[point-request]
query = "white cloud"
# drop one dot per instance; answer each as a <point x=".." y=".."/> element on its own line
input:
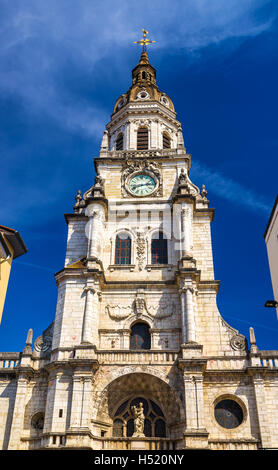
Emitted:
<point x="229" y="189"/>
<point x="37" y="38"/>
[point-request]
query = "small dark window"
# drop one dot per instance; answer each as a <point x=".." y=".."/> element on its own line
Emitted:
<point x="120" y="142"/>
<point x="102" y="433"/>
<point x="228" y="414"/>
<point x="130" y="428"/>
<point x="166" y="141"/>
<point x="159" y="249"/>
<point x="160" y="429"/>
<point x="140" y="336"/>
<point x="118" y="428"/>
<point x="123" y="249"/>
<point x="60" y="413"/>
<point x="144" y="75"/>
<point x="147" y="428"/>
<point x="142" y="138"/>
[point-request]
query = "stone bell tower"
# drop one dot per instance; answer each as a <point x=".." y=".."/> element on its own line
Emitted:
<point x="138" y="355"/>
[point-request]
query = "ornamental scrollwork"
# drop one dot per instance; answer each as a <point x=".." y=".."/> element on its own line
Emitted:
<point x="135" y="166"/>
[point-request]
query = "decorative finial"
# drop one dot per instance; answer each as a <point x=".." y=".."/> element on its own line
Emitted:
<point x="253" y="345"/>
<point x="144" y="42"/>
<point x="204" y="192"/>
<point x="29" y="341"/>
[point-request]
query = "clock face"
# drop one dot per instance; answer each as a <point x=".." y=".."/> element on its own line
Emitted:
<point x="141" y="185"/>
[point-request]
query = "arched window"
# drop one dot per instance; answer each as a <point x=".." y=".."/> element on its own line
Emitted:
<point x="120" y="141"/>
<point x="160" y="429"/>
<point x="154" y="423"/>
<point x="144" y="75"/>
<point x="159" y="249"/>
<point x="123" y="249"/>
<point x="140" y="337"/>
<point x="166" y="140"/>
<point x="142" y="138"/>
<point x="118" y="428"/>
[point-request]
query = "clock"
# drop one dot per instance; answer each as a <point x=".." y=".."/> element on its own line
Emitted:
<point x="141" y="185"/>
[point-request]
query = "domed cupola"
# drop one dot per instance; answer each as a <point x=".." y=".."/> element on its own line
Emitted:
<point x="143" y="86"/>
<point x="144" y="117"/>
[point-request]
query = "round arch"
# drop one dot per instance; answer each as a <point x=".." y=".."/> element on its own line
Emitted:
<point x="121" y="384"/>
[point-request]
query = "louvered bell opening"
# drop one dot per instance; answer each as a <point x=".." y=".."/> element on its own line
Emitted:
<point x="142" y="139"/>
<point x="120" y="142"/>
<point x="166" y="141"/>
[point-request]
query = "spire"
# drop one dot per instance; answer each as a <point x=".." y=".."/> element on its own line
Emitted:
<point x="144" y="59"/>
<point x="144" y="72"/>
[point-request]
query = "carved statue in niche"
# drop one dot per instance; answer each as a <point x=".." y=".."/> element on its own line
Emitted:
<point x="139" y="420"/>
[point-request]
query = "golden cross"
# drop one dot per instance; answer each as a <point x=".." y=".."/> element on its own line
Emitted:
<point x="144" y="41"/>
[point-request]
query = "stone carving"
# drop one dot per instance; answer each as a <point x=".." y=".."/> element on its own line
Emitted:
<point x="140" y="304"/>
<point x="43" y="343"/>
<point x="118" y="312"/>
<point x="238" y="342"/>
<point x="185" y="185"/>
<point x="139" y="420"/>
<point x="204" y="192"/>
<point x="79" y="203"/>
<point x="140" y="250"/>
<point x="134" y="166"/>
<point x="95" y="191"/>
<point x="163" y="309"/>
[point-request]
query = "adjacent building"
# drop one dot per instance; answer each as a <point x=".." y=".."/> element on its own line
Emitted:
<point x="11" y="246"/>
<point x="271" y="240"/>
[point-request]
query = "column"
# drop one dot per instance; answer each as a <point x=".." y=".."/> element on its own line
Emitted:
<point x="94" y="230"/>
<point x="191" y="406"/>
<point x="90" y="320"/>
<point x="18" y="413"/>
<point x="195" y="435"/>
<point x="198" y="380"/>
<point x="262" y="412"/>
<point x="81" y="390"/>
<point x="188" y="320"/>
<point x="186" y="231"/>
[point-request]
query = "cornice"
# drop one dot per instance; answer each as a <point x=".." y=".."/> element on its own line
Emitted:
<point x="141" y="106"/>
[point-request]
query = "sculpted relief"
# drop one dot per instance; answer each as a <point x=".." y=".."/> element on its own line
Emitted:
<point x="163" y="308"/>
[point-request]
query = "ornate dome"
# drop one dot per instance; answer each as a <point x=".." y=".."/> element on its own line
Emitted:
<point x="143" y="87"/>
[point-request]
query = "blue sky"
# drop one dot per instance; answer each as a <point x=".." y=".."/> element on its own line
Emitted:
<point x="62" y="66"/>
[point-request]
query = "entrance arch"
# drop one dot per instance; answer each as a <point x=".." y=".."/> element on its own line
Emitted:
<point x="165" y="414"/>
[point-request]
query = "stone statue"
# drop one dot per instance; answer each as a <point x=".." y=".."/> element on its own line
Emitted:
<point x="139" y="420"/>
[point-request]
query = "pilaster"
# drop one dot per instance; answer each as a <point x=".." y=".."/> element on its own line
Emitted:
<point x="18" y="412"/>
<point x="90" y="320"/>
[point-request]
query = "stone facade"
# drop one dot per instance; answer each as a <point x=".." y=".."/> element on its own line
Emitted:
<point x="200" y="384"/>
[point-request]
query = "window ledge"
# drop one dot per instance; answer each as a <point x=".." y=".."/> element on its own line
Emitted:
<point x="149" y="267"/>
<point x="112" y="267"/>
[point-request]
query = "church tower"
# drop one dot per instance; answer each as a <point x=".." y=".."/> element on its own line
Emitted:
<point x="138" y="356"/>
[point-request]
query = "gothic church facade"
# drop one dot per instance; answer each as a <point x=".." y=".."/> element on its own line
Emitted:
<point x="137" y="323"/>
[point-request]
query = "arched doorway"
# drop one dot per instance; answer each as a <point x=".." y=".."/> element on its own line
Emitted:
<point x="165" y="411"/>
<point x="140" y="337"/>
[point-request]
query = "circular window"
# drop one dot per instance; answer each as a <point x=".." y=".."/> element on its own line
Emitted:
<point x="37" y="421"/>
<point x="228" y="413"/>
<point x="164" y="101"/>
<point x="143" y="95"/>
